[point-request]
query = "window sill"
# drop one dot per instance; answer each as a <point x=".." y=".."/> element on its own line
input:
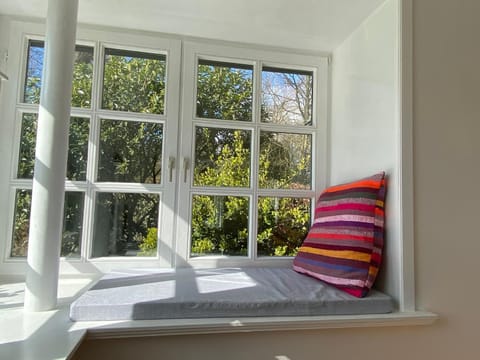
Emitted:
<point x="141" y="328"/>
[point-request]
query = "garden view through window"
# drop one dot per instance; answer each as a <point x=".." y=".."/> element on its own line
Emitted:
<point x="252" y="177"/>
<point x="224" y="161"/>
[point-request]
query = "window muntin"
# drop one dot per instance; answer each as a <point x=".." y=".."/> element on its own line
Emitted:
<point x="224" y="90"/>
<point x="77" y="148"/>
<point x="287" y="96"/>
<point x="72" y="223"/>
<point x="222" y="157"/>
<point x="130" y="151"/>
<point x="82" y="74"/>
<point x="134" y="81"/>
<point x="125" y="224"/>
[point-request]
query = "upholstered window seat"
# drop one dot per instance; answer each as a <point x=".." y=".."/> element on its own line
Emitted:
<point x="214" y="293"/>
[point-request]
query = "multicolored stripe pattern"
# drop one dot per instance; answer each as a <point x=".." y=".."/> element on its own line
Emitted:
<point x="344" y="245"/>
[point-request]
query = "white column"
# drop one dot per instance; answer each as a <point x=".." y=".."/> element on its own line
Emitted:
<point x="46" y="216"/>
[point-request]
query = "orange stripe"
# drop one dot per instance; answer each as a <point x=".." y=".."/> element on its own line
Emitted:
<point x="339" y="254"/>
<point x="366" y="183"/>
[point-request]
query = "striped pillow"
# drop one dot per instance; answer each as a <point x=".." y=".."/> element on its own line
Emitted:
<point x="344" y="244"/>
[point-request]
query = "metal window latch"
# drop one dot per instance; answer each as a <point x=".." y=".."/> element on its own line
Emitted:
<point x="171" y="166"/>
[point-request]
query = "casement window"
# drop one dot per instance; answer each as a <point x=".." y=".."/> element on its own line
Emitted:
<point x="219" y="166"/>
<point x="252" y="134"/>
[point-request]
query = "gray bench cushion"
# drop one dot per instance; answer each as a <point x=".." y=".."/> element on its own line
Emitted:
<point x="227" y="292"/>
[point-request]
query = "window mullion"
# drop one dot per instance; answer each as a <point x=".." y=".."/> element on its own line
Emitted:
<point x="92" y="159"/>
<point x="257" y="100"/>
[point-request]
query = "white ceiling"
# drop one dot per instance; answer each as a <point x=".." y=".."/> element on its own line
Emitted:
<point x="305" y="24"/>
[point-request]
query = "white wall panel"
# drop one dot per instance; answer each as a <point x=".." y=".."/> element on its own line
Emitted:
<point x="364" y="126"/>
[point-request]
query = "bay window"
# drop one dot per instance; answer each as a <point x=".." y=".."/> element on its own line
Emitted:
<point x="221" y="165"/>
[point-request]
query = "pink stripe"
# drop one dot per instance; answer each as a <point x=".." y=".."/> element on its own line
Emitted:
<point x="364" y="201"/>
<point x="355" y="218"/>
<point x="331" y="279"/>
<point x="350" y="206"/>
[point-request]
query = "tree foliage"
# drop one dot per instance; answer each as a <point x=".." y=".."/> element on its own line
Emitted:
<point x="224" y="93"/>
<point x="131" y="151"/>
<point x="133" y="83"/>
<point x="122" y="223"/>
<point x="223" y="159"/>
<point x="72" y="223"/>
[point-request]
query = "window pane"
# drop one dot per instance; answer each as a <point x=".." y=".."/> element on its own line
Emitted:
<point x="287" y="96"/>
<point x="125" y="224"/>
<point x="72" y="223"/>
<point x="26" y="156"/>
<point x="219" y="225"/>
<point x="224" y="91"/>
<point x="285" y="161"/>
<point x="222" y="157"/>
<point x="21" y="223"/>
<point x="82" y="74"/>
<point x="283" y="224"/>
<point x="130" y="151"/>
<point x="134" y="81"/>
<point x="77" y="148"/>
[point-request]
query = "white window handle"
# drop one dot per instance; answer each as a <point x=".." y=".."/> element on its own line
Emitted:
<point x="171" y="166"/>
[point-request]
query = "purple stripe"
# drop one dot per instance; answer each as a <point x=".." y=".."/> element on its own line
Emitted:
<point x="323" y="213"/>
<point x="335" y="270"/>
<point x="333" y="202"/>
<point x="353" y="224"/>
<point x="336" y="247"/>
<point x="344" y="243"/>
<point x="331" y="260"/>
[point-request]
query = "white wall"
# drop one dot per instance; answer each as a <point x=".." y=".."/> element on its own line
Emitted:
<point x="3" y="43"/>
<point x="364" y="98"/>
<point x="447" y="197"/>
<point x="364" y="124"/>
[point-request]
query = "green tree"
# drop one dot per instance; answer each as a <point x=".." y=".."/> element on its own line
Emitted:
<point x="131" y="151"/>
<point x="134" y="83"/>
<point x="148" y="246"/>
<point x="223" y="159"/>
<point x="224" y="92"/>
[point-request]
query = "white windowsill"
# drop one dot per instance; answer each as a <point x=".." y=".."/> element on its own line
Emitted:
<point x="51" y="334"/>
<point x="139" y="328"/>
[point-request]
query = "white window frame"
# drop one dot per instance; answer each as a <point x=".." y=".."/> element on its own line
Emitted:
<point x="23" y="32"/>
<point x="173" y="244"/>
<point x="192" y="52"/>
